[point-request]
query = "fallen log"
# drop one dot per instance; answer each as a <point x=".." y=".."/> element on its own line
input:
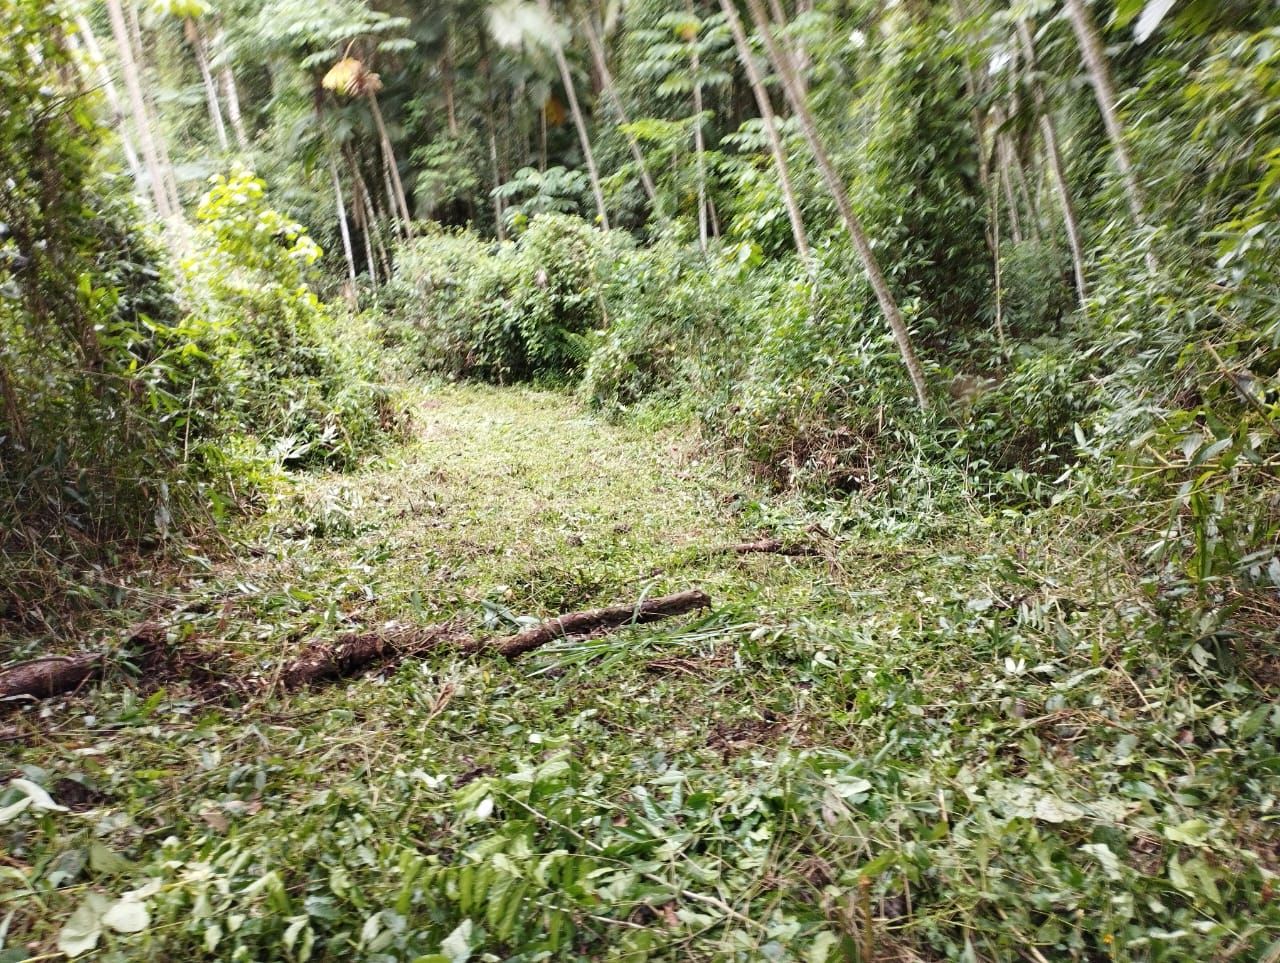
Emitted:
<point x="615" y="616"/>
<point x="771" y="546"/>
<point x="50" y="676"/>
<point x="352" y="653"/>
<point x="55" y="675"/>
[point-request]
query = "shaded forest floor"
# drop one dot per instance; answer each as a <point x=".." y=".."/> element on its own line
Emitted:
<point x="967" y="721"/>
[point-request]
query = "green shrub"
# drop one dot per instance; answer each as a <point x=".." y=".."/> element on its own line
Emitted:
<point x="501" y="312"/>
<point x="284" y="372"/>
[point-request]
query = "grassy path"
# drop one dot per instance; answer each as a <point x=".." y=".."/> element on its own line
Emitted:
<point x="942" y="720"/>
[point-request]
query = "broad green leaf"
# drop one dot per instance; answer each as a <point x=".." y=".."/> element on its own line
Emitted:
<point x="456" y="947"/>
<point x="82" y="930"/>
<point x="126" y="916"/>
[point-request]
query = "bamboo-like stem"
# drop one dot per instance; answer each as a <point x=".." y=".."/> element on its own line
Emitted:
<point x="870" y="264"/>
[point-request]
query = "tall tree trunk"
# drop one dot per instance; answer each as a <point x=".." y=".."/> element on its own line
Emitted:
<point x="389" y="154"/>
<point x="1006" y="179"/>
<point x="371" y="220"/>
<point x="365" y="215"/>
<point x="770" y="122"/>
<point x="888" y="306"/>
<point x="446" y="78"/>
<point x="232" y="96"/>
<point x="343" y="227"/>
<point x="699" y="143"/>
<point x="1095" y="60"/>
<point x="579" y="121"/>
<point x="1053" y="153"/>
<point x="700" y="158"/>
<point x="499" y="228"/>
<point x="194" y="37"/>
<point x="98" y="63"/>
<point x="784" y="45"/>
<point x="138" y="105"/>
<point x="611" y="91"/>
<point x="166" y="162"/>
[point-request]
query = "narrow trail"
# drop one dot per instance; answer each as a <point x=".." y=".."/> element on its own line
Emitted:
<point x="681" y="790"/>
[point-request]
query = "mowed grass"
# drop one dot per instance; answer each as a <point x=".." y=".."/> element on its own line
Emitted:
<point x="991" y="743"/>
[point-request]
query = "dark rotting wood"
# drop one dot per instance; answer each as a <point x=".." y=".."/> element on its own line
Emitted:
<point x="615" y="616"/>
<point x="771" y="546"/>
<point x="352" y="653"/>
<point x="55" y="675"/>
<point x="50" y="676"/>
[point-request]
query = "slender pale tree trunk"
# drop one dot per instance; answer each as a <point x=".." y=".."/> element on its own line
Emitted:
<point x="770" y="122"/>
<point x="1099" y="70"/>
<point x="579" y="121"/>
<point x="699" y="142"/>
<point x="98" y="63"/>
<point x="365" y="215"/>
<point x="700" y="157"/>
<point x="888" y="306"/>
<point x="196" y="39"/>
<point x="611" y="91"/>
<point x="166" y="164"/>
<point x="138" y="105"/>
<point x="1006" y="179"/>
<point x="343" y="226"/>
<point x="446" y="79"/>
<point x="389" y="155"/>
<point x="370" y="219"/>
<point x="794" y="58"/>
<point x="231" y="95"/>
<point x="1053" y="154"/>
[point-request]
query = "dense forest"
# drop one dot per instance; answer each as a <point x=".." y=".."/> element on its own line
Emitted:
<point x="515" y="480"/>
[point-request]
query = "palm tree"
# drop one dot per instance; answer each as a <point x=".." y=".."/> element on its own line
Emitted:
<point x="350" y="76"/>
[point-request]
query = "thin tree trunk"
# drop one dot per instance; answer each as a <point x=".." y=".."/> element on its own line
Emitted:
<point x="784" y="45"/>
<point x="371" y="217"/>
<point x="392" y="167"/>
<point x="166" y="164"/>
<point x="342" y="221"/>
<point x="776" y="147"/>
<point x="888" y="306"/>
<point x="446" y="78"/>
<point x="105" y="80"/>
<point x="192" y="30"/>
<point x="138" y="105"/>
<point x="566" y="78"/>
<point x="699" y="143"/>
<point x="606" y="81"/>
<point x="1095" y="59"/>
<point x="1053" y="153"/>
<point x="1006" y="181"/>
<point x="365" y="216"/>
<point x="232" y="96"/>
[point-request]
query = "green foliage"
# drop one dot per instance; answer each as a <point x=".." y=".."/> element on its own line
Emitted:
<point x="532" y="192"/>
<point x="285" y="372"/>
<point x="506" y="312"/>
<point x="91" y="381"/>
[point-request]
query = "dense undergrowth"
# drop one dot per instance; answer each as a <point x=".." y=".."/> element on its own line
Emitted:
<point x="1018" y="704"/>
